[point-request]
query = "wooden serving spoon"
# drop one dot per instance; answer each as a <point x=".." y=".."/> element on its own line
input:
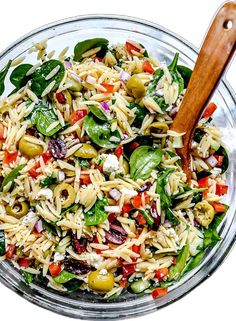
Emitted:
<point x="217" y="49"/>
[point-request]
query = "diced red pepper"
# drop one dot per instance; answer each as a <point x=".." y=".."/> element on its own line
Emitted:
<point x="24" y="262"/>
<point x="132" y="46"/>
<point x="137" y="200"/>
<point x="77" y="115"/>
<point x="109" y="88"/>
<point x="33" y="172"/>
<point x="1" y="132"/>
<point x="218" y="207"/>
<point x="11" y="250"/>
<point x="128" y="269"/>
<point x="126" y="208"/>
<point x="221" y="189"/>
<point x="99" y="167"/>
<point x="159" y="292"/>
<point x="119" y="151"/>
<point x="61" y="98"/>
<point x="220" y="160"/>
<point x="47" y="156"/>
<point x="112" y="217"/>
<point x="147" y="67"/>
<point x="203" y="183"/>
<point x="9" y="157"/>
<point x="133" y="146"/>
<point x="209" y="110"/>
<point x="54" y="269"/>
<point x="141" y="219"/>
<point x="162" y="273"/>
<point x="174" y="260"/>
<point x="85" y="179"/>
<point x="99" y="59"/>
<point x="136" y="248"/>
<point x="123" y="282"/>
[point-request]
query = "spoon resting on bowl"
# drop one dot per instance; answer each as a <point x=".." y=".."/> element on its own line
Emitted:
<point x="217" y="49"/>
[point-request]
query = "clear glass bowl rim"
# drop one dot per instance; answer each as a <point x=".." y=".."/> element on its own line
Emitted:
<point x="140" y="305"/>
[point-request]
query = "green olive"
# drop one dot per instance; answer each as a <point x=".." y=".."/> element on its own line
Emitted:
<point x="204" y="213"/>
<point x="125" y="167"/>
<point x="76" y="86"/>
<point x="100" y="282"/>
<point x="29" y="149"/>
<point x="86" y="151"/>
<point x="17" y="210"/>
<point x="62" y="100"/>
<point x="66" y="193"/>
<point x="162" y="127"/>
<point x="136" y="86"/>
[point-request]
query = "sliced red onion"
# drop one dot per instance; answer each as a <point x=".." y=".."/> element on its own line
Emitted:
<point x="124" y="76"/>
<point x="118" y="229"/>
<point x="115" y="194"/>
<point x="212" y="161"/>
<point x="91" y="80"/>
<point x="75" y="77"/>
<point x="112" y="209"/>
<point x="105" y="106"/>
<point x="39" y="226"/>
<point x="67" y="64"/>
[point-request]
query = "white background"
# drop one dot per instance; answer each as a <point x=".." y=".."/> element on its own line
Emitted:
<point x="215" y="298"/>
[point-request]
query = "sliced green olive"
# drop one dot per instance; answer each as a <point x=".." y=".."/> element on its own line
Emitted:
<point x="100" y="282"/>
<point x="75" y="85"/>
<point x="17" y="210"/>
<point x="86" y="151"/>
<point x="125" y="167"/>
<point x="204" y="213"/>
<point x="66" y="193"/>
<point x="162" y="127"/>
<point x="29" y="149"/>
<point x="61" y="99"/>
<point x="136" y="86"/>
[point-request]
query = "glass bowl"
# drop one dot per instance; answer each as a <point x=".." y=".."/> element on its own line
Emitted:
<point x="162" y="44"/>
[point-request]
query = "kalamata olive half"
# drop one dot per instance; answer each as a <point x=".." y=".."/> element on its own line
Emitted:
<point x="155" y="216"/>
<point x="79" y="245"/>
<point x="116" y="235"/>
<point x="77" y="267"/>
<point x="57" y="147"/>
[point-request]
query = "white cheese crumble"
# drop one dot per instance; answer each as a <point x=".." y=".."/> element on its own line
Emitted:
<point x="111" y="164"/>
<point x="94" y="259"/>
<point x="58" y="257"/>
<point x="61" y="176"/>
<point x="45" y="192"/>
<point x="29" y="217"/>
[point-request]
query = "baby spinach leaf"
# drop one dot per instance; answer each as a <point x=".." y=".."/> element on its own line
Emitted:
<point x="43" y="116"/>
<point x="176" y="270"/>
<point x="140" y="113"/>
<point x="18" y="76"/>
<point x="2" y="243"/>
<point x="50" y="180"/>
<point x="49" y="227"/>
<point x="211" y="238"/>
<point x="193" y="262"/>
<point x="170" y="216"/>
<point x="88" y="44"/>
<point x="73" y="208"/>
<point x="12" y="175"/>
<point x="176" y="76"/>
<point x="97" y="112"/>
<point x="160" y="186"/>
<point x="73" y="285"/>
<point x="148" y="218"/>
<point x="64" y="277"/>
<point x="198" y="134"/>
<point x="28" y="277"/>
<point x="161" y="103"/>
<point x="3" y="74"/>
<point x="100" y="132"/>
<point x="97" y="214"/>
<point x="39" y="82"/>
<point x="222" y="152"/>
<point x="186" y="73"/>
<point x="143" y="161"/>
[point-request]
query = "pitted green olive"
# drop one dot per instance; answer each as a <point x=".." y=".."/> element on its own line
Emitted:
<point x="125" y="167"/>
<point x="17" y="210"/>
<point x="86" y="151"/>
<point x="204" y="213"/>
<point x="61" y="99"/>
<point x="66" y="193"/>
<point x="75" y="85"/>
<point x="101" y="282"/>
<point x="28" y="148"/>
<point x="136" y="86"/>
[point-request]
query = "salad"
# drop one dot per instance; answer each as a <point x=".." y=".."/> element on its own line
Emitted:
<point x="92" y="193"/>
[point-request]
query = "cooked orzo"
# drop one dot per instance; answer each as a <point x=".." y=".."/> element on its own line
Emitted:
<point x="92" y="193"/>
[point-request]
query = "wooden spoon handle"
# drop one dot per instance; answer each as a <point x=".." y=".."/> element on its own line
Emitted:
<point x="217" y="49"/>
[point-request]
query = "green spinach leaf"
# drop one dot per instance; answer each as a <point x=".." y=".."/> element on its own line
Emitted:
<point x="186" y="73"/>
<point x="49" y="227"/>
<point x="73" y="208"/>
<point x="3" y="74"/>
<point x="97" y="214"/>
<point x="193" y="262"/>
<point x="50" y="180"/>
<point x="198" y="134"/>
<point x="12" y="175"/>
<point x="43" y="116"/>
<point x="140" y="113"/>
<point x="39" y="77"/>
<point x="148" y="218"/>
<point x="97" y="112"/>
<point x="64" y="277"/>
<point x="73" y="285"/>
<point x="100" y="132"/>
<point x="143" y="161"/>
<point x="222" y="152"/>
<point x="88" y="44"/>
<point x="18" y="76"/>
<point x="28" y="277"/>
<point x="170" y="216"/>
<point x="2" y="243"/>
<point x="160" y="186"/>
<point x="176" y="270"/>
